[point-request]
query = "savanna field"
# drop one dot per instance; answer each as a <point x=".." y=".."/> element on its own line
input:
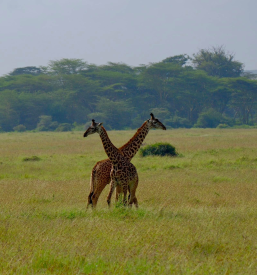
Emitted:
<point x="197" y="212"/>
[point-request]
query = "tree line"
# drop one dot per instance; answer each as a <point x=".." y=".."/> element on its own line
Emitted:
<point x="209" y="89"/>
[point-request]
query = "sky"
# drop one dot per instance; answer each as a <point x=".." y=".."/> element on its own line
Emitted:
<point x="33" y="32"/>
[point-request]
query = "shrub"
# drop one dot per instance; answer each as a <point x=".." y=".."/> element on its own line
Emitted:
<point x="46" y="124"/>
<point x="158" y="149"/>
<point x="19" y="128"/>
<point x="33" y="158"/>
<point x="177" y="122"/>
<point x="78" y="127"/>
<point x="222" y="126"/>
<point x="64" y="127"/>
<point x="209" y="119"/>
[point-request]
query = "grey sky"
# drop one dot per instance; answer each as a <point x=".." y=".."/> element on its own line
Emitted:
<point x="131" y="31"/>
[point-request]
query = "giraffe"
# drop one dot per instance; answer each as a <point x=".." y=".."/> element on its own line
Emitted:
<point x="123" y="173"/>
<point x="100" y="175"/>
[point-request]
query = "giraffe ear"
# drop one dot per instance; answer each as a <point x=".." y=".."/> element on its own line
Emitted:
<point x="100" y="124"/>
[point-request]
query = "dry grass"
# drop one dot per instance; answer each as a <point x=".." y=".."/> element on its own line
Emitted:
<point x="197" y="212"/>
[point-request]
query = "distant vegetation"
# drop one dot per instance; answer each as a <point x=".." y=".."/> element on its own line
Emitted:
<point x="206" y="90"/>
<point x="158" y="149"/>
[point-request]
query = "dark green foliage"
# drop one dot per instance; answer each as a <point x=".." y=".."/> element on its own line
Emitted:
<point x="33" y="158"/>
<point x="64" y="127"/>
<point x="69" y="91"/>
<point x="9" y="114"/>
<point x="209" y="119"/>
<point x="177" y="122"/>
<point x="158" y="149"/>
<point x="180" y="60"/>
<point x="26" y="70"/>
<point x="110" y="113"/>
<point x="217" y="62"/>
<point x="19" y="128"/>
<point x="46" y="124"/>
<point x="66" y="66"/>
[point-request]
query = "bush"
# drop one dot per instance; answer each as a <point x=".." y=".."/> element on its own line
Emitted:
<point x="64" y="127"/>
<point x="209" y="119"/>
<point x="177" y="122"/>
<point x="78" y="127"/>
<point x="46" y="124"/>
<point x="33" y="158"/>
<point x="222" y="126"/>
<point x="19" y="128"/>
<point x="158" y="149"/>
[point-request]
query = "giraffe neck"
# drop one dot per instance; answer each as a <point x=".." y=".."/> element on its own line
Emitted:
<point x="130" y="148"/>
<point x="112" y="152"/>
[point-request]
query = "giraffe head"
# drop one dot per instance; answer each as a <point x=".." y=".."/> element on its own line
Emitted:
<point x="95" y="127"/>
<point x="155" y="123"/>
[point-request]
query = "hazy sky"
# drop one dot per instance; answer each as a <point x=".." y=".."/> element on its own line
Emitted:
<point x="135" y="32"/>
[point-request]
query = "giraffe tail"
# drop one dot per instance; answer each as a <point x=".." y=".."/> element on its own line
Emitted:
<point x="92" y="188"/>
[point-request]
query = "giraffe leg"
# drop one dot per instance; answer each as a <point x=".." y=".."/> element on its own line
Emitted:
<point x="94" y="195"/>
<point x="118" y="192"/>
<point x="110" y="193"/>
<point x="125" y="190"/>
<point x="135" y="202"/>
<point x="133" y="189"/>
<point x="132" y="197"/>
<point x="98" y="191"/>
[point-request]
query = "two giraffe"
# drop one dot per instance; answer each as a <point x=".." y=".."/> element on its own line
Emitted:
<point x="118" y="168"/>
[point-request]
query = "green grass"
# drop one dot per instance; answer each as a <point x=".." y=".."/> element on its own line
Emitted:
<point x="197" y="212"/>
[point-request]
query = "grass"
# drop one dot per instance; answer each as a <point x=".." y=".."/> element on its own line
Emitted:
<point x="197" y="212"/>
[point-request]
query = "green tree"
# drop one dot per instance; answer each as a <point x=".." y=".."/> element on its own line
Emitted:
<point x="192" y="94"/>
<point x="9" y="110"/>
<point x="109" y="112"/>
<point x="29" y="83"/>
<point x="221" y="96"/>
<point x="159" y="78"/>
<point x="32" y="70"/>
<point x="217" y="62"/>
<point x="46" y="124"/>
<point x="209" y="119"/>
<point x="243" y="98"/>
<point x="32" y="106"/>
<point x="180" y="60"/>
<point x="66" y="66"/>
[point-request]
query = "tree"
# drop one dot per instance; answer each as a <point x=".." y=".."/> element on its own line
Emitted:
<point x="66" y="66"/>
<point x="192" y="94"/>
<point x="32" y="106"/>
<point x="26" y="70"/>
<point x="243" y="98"/>
<point x="109" y="112"/>
<point x="29" y="83"/>
<point x="46" y="124"/>
<point x="209" y="119"/>
<point x="159" y="77"/>
<point x="217" y="62"/>
<point x="9" y="106"/>
<point x="180" y="60"/>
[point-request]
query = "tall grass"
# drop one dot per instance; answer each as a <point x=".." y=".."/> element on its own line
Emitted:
<point x="197" y="212"/>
